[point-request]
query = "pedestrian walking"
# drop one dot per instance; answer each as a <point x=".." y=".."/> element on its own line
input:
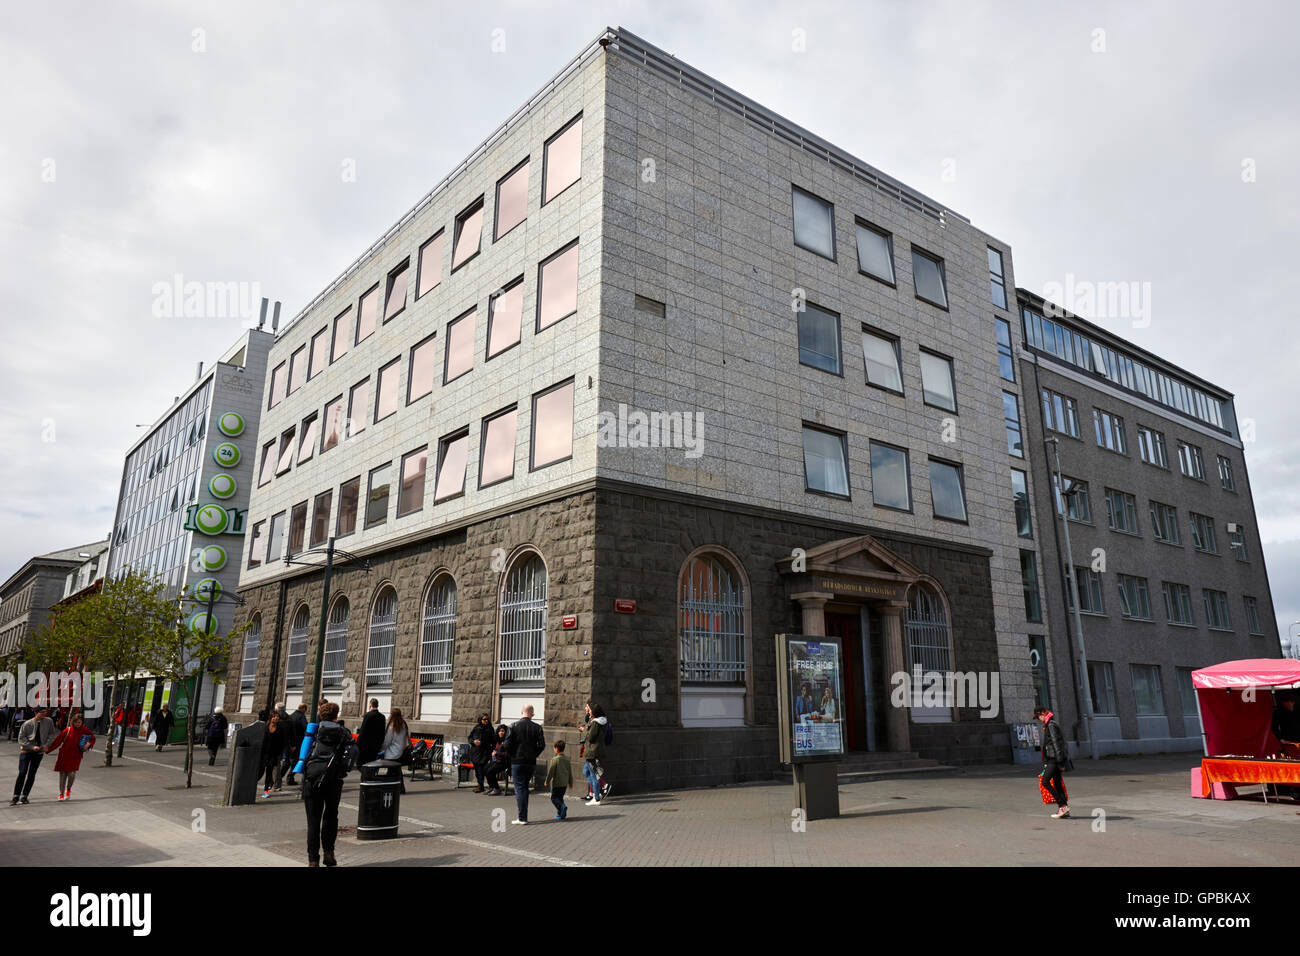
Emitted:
<point x="525" y="744"/>
<point x="480" y="749"/>
<point x="1056" y="758"/>
<point x="34" y="739"/>
<point x="297" y="731"/>
<point x="329" y="760"/>
<point x="397" y="740"/>
<point x="370" y="740"/>
<point x="72" y="743"/>
<point x="162" y="727"/>
<point x="273" y="744"/>
<point x="499" y="766"/>
<point x="596" y="733"/>
<point x="216" y="736"/>
<point x="559" y="775"/>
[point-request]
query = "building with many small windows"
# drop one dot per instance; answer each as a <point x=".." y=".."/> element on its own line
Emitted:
<point x="1165" y="546"/>
<point x="652" y="377"/>
<point x="29" y="593"/>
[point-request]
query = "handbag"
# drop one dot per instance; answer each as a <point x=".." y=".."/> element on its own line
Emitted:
<point x="1047" y="796"/>
<point x="406" y="755"/>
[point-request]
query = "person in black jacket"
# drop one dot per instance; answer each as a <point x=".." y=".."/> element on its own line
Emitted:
<point x="216" y="736"/>
<point x="524" y="743"/>
<point x="162" y="727"/>
<point x="1056" y="755"/>
<point x="499" y="765"/>
<point x="370" y="739"/>
<point x="480" y="748"/>
<point x="297" y="731"/>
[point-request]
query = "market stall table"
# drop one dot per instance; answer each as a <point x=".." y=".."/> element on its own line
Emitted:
<point x="1248" y="770"/>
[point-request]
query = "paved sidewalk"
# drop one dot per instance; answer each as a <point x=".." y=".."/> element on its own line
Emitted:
<point x="1127" y="812"/>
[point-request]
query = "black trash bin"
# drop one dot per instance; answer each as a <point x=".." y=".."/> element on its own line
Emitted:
<point x="381" y="795"/>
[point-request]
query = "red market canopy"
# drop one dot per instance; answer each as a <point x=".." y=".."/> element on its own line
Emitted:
<point x="1259" y="672"/>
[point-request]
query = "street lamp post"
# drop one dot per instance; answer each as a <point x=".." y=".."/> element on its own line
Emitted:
<point x="1071" y="576"/>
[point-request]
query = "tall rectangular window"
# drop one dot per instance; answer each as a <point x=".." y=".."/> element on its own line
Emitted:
<point x="297" y="368"/>
<point x="411" y="496"/>
<point x="430" y="267"/>
<point x="1252" y="610"/>
<point x="1148" y="696"/>
<point x="512" y="200"/>
<point x="269" y="460"/>
<point x="1187" y="692"/>
<point x="1164" y="523"/>
<point x="1225" y="474"/>
<point x="1237" y="540"/>
<point x="505" y="317"/>
<point x="562" y="160"/>
<point x="1060" y="414"/>
<point x="825" y="462"/>
<point x="469" y="235"/>
<point x="1011" y="415"/>
<point x="937" y="386"/>
<point x="557" y="286"/>
<point x="1216" y="610"/>
<point x="1020" y="499"/>
<point x="1088" y="582"/>
<point x="875" y="252"/>
<point x="1006" y="364"/>
<point x="947" y="490"/>
<point x="1121" y="511"/>
<point x="368" y="314"/>
<point x="1151" y="446"/>
<point x="341" y="335"/>
<point x="453" y="455"/>
<point x="1110" y="431"/>
<point x="814" y="223"/>
<point x="883" y="368"/>
<point x="460" y="346"/>
<point x="377" y="494"/>
<point x="285" y="458"/>
<point x="277" y="388"/>
<point x="386" y="394"/>
<point x="1029" y="583"/>
<point x="1203" y="538"/>
<point x="891" y="485"/>
<point x="257" y="550"/>
<point x="928" y="278"/>
<point x="333" y="430"/>
<point x="309" y="432"/>
<point x="423" y="370"/>
<point x="1190" y="462"/>
<point x="552" y="425"/>
<point x="1178" y="603"/>
<point x="320" y="352"/>
<point x="275" y="538"/>
<point x="819" y="338"/>
<point x="395" y="298"/>
<point x="497" y="448"/>
<point x="297" y="527"/>
<point x="320" y="517"/>
<point x="1101" y="682"/>
<point x="997" y="282"/>
<point x="1134" y="597"/>
<point x="349" y="496"/>
<point x="358" y="405"/>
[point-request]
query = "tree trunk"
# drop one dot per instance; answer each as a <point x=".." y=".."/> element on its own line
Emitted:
<point x="189" y="735"/>
<point x="112" y="727"/>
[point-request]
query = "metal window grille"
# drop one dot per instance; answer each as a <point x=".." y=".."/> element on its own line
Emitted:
<point x="712" y="623"/>
<point x="523" y="621"/>
<point x="248" y="672"/>
<point x="927" y="633"/>
<point x="438" y="639"/>
<point x="383" y="635"/>
<point x="297" y="658"/>
<point x="336" y="645"/>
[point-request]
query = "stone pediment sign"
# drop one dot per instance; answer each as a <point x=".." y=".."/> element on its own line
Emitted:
<point x="858" y="568"/>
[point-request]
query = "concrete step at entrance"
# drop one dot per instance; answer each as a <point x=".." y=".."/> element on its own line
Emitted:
<point x="860" y="766"/>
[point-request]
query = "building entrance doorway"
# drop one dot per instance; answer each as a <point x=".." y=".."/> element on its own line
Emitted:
<point x="859" y="708"/>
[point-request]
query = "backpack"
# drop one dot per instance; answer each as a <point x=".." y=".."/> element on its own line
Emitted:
<point x="332" y="757"/>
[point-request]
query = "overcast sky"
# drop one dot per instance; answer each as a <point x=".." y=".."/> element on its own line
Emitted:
<point x="1130" y="142"/>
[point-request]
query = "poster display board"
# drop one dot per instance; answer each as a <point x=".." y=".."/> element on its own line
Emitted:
<point x="811" y="705"/>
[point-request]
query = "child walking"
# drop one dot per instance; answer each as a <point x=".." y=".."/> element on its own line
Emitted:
<point x="72" y="743"/>
<point x="559" y="774"/>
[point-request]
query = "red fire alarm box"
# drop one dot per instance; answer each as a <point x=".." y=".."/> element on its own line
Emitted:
<point x="569" y="622"/>
<point x="624" y="606"/>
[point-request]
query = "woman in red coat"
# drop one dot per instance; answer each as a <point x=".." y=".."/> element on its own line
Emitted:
<point x="71" y="743"/>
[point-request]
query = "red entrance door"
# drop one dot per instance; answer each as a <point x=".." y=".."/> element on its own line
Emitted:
<point x="848" y="628"/>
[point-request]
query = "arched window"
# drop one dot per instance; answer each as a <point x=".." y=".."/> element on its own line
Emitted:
<point x="383" y="636"/>
<point x="713" y="625"/>
<point x="928" y="645"/>
<point x="438" y="637"/>
<point x="523" y="620"/>
<point x="296" y="661"/>
<point x="336" y="644"/>
<point x="252" y="638"/>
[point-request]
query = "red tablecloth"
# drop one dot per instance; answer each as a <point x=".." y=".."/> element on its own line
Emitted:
<point x="1228" y="770"/>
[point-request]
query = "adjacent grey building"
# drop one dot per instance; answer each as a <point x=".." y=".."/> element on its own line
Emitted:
<point x="1165" y="543"/>
<point x="29" y="593"/>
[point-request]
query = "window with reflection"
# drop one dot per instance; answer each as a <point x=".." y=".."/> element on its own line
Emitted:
<point x="453" y="455"/>
<point x="320" y="345"/>
<point x="310" y="431"/>
<point x="460" y="346"/>
<point x="349" y="496"/>
<point x="497" y="454"/>
<point x="512" y="200"/>
<point x="814" y="223"/>
<point x="424" y="367"/>
<point x="890" y="482"/>
<point x="928" y="277"/>
<point x="947" y="490"/>
<point x="883" y="366"/>
<point x="395" y="300"/>
<point x="386" y="393"/>
<point x="505" y="317"/>
<point x="358" y="402"/>
<point x="297" y="369"/>
<point x="557" y="286"/>
<point x="341" y="335"/>
<point x="333" y="430"/>
<point x="562" y="160"/>
<point x="875" y="252"/>
<point x="411" y="496"/>
<point x="286" y="451"/>
<point x="825" y="462"/>
<point x="320" y="517"/>
<point x="368" y="314"/>
<point x="552" y="425"/>
<point x="297" y="527"/>
<point x="430" y="267"/>
<point x="377" y="495"/>
<point x="469" y="235"/>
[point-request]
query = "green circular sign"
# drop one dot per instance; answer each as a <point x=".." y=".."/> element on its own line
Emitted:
<point x="202" y="622"/>
<point x="207" y="587"/>
<point x="226" y="455"/>
<point x="231" y="423"/>
<point x="213" y="557"/>
<point x="211" y="519"/>
<point x="223" y="486"/>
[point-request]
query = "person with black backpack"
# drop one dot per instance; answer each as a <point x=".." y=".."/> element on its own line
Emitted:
<point x="524" y="743"/>
<point x="331" y="757"/>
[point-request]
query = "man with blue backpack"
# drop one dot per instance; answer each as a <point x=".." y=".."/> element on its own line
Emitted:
<point x="331" y="756"/>
<point x="599" y="734"/>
